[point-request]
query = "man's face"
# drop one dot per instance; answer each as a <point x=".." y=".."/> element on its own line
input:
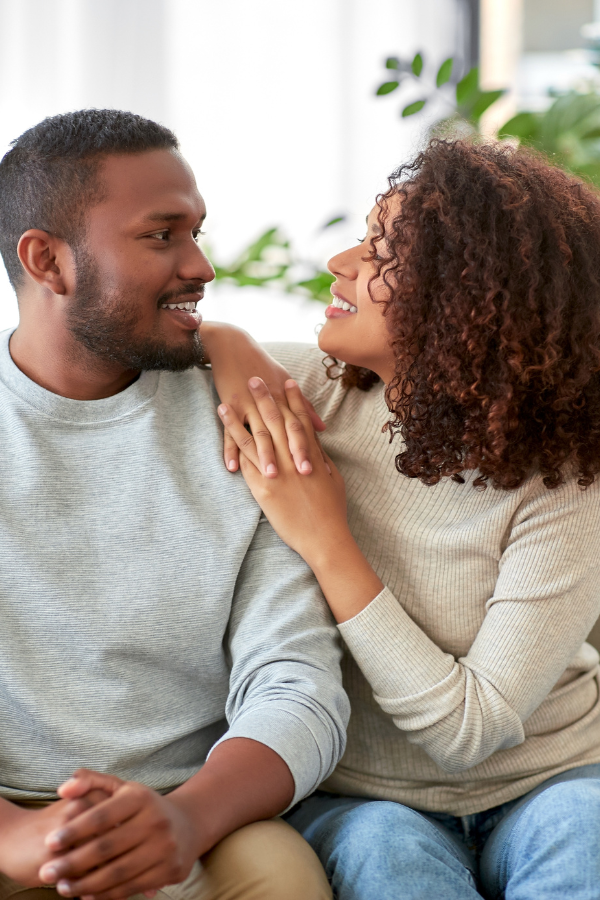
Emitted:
<point x="139" y="258"/>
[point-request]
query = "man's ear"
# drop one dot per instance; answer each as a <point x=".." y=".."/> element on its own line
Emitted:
<point x="48" y="260"/>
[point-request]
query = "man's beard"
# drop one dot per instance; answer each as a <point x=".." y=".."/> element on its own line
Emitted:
<point x="105" y="323"/>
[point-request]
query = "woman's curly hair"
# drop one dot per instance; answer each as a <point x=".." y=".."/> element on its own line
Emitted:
<point x="492" y="264"/>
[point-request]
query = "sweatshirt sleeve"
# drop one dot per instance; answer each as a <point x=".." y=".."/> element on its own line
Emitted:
<point x="285" y="683"/>
<point x="546" y="599"/>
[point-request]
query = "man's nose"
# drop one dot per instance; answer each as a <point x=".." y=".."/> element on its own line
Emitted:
<point x="196" y="266"/>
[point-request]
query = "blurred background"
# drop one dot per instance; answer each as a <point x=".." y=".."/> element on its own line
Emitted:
<point x="293" y="114"/>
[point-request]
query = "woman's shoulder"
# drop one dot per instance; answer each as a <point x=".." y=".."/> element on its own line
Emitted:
<point x="306" y="364"/>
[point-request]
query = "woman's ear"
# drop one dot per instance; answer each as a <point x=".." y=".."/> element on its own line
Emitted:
<point x="48" y="260"/>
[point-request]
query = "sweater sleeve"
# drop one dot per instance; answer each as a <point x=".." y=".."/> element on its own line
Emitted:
<point x="285" y="683"/>
<point x="545" y="602"/>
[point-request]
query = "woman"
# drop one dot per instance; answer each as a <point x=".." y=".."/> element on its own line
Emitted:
<point x="466" y="576"/>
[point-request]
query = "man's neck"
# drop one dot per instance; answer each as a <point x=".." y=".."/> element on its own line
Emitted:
<point x="52" y="358"/>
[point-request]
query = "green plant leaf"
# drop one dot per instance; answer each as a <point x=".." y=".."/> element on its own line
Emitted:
<point x="413" y="108"/>
<point x="334" y="221"/>
<point x="523" y="126"/>
<point x="392" y="62"/>
<point x="417" y="65"/>
<point x="483" y="102"/>
<point x="444" y="72"/>
<point x="318" y="286"/>
<point x="386" y="88"/>
<point x="468" y="86"/>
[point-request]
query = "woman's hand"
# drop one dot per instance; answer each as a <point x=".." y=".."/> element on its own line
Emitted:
<point x="308" y="512"/>
<point x="235" y="357"/>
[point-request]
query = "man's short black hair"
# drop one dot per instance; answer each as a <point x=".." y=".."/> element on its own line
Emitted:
<point x="49" y="179"/>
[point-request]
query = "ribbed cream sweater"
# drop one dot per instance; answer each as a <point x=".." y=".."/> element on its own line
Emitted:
<point x="469" y="678"/>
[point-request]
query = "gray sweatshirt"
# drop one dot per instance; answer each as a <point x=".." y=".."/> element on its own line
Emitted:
<point x="147" y="610"/>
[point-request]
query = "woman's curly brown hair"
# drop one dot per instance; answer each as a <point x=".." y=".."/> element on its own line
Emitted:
<point x="492" y="262"/>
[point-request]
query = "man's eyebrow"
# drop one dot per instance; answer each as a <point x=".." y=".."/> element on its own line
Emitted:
<point x="170" y="217"/>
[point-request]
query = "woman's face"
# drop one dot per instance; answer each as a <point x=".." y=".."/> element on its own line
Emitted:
<point x="358" y="335"/>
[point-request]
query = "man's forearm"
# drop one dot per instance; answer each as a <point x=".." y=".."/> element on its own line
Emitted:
<point x="241" y="782"/>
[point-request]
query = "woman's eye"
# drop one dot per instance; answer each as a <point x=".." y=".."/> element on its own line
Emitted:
<point x="197" y="233"/>
<point x="361" y="240"/>
<point x="161" y="235"/>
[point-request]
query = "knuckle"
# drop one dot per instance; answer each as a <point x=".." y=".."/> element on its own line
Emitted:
<point x="99" y="819"/>
<point x="119" y="872"/>
<point x="105" y="847"/>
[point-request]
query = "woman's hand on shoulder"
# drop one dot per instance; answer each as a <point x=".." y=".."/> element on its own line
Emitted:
<point x="307" y="510"/>
<point x="235" y="358"/>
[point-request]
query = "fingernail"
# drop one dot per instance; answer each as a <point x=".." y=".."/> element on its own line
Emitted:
<point x="232" y="465"/>
<point x="290" y="383"/>
<point x="49" y="874"/>
<point x="64" y="887"/>
<point x="54" y="839"/>
<point x="254" y="382"/>
<point x="222" y="409"/>
<point x="328" y="467"/>
<point x="306" y="467"/>
<point x="271" y="469"/>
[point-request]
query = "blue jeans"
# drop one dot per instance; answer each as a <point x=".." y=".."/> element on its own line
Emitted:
<point x="542" y="846"/>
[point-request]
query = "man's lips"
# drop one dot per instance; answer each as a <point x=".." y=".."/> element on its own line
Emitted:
<point x="182" y="309"/>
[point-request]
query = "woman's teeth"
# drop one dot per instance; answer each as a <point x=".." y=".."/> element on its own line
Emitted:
<point x="191" y="305"/>
<point x="342" y="304"/>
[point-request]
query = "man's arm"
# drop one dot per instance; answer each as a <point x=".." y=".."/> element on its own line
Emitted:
<point x="139" y="840"/>
<point x="287" y="713"/>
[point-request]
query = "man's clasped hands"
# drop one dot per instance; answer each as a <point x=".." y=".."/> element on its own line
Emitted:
<point x="101" y="834"/>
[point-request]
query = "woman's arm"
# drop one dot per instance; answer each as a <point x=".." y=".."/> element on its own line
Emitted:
<point x="308" y="513"/>
<point x="235" y="357"/>
<point x="545" y="601"/>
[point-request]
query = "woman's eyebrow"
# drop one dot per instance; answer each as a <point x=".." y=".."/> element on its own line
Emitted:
<point x="376" y="227"/>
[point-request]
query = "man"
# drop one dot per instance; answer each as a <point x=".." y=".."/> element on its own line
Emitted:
<point x="143" y="599"/>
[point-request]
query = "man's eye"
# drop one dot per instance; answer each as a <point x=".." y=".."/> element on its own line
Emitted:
<point x="161" y="235"/>
<point x="197" y="233"/>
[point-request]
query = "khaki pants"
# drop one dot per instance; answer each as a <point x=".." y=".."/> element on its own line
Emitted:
<point x="262" y="861"/>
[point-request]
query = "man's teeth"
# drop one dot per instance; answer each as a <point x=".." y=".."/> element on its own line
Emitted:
<point x="342" y="304"/>
<point x="191" y="305"/>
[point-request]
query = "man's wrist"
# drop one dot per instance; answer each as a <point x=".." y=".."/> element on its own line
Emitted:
<point x="201" y="816"/>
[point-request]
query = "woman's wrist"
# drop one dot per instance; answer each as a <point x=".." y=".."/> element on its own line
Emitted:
<point x="347" y="579"/>
<point x="213" y="335"/>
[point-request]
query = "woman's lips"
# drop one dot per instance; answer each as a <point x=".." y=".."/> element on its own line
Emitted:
<point x="339" y="307"/>
<point x="334" y="312"/>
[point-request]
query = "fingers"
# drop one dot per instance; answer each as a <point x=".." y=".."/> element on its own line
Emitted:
<point x="266" y="421"/>
<point x="81" y="804"/>
<point x="94" y="853"/>
<point x="101" y="818"/>
<point x="242" y="438"/>
<point x="85" y="780"/>
<point x="288" y="425"/>
<point x="133" y="873"/>
<point x="231" y="453"/>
